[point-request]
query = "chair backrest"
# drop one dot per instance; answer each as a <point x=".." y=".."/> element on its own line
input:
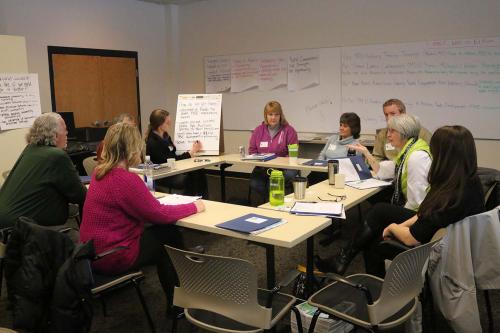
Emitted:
<point x="403" y="282"/>
<point x="89" y="165"/>
<point x="226" y="286"/>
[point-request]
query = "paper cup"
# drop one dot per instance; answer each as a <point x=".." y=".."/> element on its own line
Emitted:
<point x="339" y="180"/>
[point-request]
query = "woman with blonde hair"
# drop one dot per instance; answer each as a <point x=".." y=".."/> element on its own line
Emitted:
<point x="119" y="204"/>
<point x="272" y="136"/>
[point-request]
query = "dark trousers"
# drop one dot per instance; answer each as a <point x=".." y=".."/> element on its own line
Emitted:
<point x="377" y="219"/>
<point x="152" y="252"/>
<point x="259" y="184"/>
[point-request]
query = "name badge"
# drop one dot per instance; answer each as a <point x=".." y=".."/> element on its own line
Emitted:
<point x="332" y="147"/>
<point x="264" y="144"/>
<point x="388" y="146"/>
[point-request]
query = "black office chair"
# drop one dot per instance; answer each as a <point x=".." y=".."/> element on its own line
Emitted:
<point x="375" y="303"/>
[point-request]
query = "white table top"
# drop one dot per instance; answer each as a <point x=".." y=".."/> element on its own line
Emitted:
<point x="296" y="230"/>
<point x="321" y="190"/>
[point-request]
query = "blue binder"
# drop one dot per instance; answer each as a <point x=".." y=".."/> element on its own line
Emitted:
<point x="245" y="225"/>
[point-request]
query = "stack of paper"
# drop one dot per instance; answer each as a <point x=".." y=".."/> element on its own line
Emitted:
<point x="177" y="199"/>
<point x="334" y="209"/>
<point x="259" y="157"/>
<point x="251" y="224"/>
<point x="368" y="183"/>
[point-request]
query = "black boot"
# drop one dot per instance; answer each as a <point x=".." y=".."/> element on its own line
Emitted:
<point x="340" y="262"/>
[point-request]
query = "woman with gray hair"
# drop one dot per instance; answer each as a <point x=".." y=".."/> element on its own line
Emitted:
<point x="43" y="180"/>
<point x="409" y="172"/>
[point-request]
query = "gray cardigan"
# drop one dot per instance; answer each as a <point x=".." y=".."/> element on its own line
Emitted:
<point x="336" y="148"/>
<point x="466" y="259"/>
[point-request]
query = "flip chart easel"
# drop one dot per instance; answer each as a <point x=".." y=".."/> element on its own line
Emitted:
<point x="199" y="118"/>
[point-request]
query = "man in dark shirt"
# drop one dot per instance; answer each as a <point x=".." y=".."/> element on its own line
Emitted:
<point x="43" y="180"/>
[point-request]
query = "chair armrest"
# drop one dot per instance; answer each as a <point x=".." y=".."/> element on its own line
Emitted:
<point x="394" y="244"/>
<point x="5" y="233"/>
<point x="287" y="279"/>
<point x="110" y="251"/>
<point x="66" y="229"/>
<point x="359" y="286"/>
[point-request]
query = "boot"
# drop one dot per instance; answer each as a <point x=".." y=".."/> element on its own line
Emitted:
<point x="340" y="262"/>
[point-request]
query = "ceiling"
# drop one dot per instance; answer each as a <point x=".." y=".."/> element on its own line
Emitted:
<point x="172" y="2"/>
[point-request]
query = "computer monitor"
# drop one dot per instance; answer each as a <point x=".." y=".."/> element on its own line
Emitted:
<point x="69" y="119"/>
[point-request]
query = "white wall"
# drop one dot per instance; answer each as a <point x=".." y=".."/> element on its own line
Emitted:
<point x="111" y="24"/>
<point x="218" y="27"/>
<point x="12" y="60"/>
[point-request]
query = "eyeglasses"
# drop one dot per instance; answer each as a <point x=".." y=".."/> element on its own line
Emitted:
<point x="336" y="198"/>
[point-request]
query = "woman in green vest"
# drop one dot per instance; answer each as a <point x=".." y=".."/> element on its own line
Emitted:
<point x="409" y="172"/>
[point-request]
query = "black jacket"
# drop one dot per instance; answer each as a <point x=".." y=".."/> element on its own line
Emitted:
<point x="162" y="149"/>
<point x="45" y="282"/>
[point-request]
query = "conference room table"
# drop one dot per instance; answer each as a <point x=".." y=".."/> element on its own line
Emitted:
<point x="296" y="230"/>
<point x="225" y="161"/>
<point x="321" y="192"/>
<point x="288" y="235"/>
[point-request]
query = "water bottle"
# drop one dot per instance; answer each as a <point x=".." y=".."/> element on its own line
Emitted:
<point x="148" y="174"/>
<point x="276" y="188"/>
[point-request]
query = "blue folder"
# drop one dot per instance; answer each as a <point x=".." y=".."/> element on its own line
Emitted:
<point x="85" y="179"/>
<point x="359" y="164"/>
<point x="242" y="224"/>
<point x="321" y="163"/>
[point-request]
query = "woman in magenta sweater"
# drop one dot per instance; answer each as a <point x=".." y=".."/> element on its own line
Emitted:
<point x="272" y="136"/>
<point x="119" y="204"/>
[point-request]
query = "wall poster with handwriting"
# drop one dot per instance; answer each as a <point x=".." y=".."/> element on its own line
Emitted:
<point x="217" y="74"/>
<point x="198" y="117"/>
<point x="19" y="100"/>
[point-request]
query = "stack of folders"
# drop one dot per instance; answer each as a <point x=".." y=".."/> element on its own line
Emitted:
<point x="252" y="224"/>
<point x="333" y="209"/>
<point x="259" y="157"/>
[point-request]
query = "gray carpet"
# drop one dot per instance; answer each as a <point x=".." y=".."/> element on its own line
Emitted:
<point x="125" y="312"/>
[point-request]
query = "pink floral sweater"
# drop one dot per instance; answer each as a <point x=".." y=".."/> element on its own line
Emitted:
<point x="114" y="213"/>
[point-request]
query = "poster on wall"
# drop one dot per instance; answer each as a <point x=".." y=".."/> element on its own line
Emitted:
<point x="19" y="100"/>
<point x="303" y="70"/>
<point x="198" y="118"/>
<point x="217" y="74"/>
<point x="273" y="68"/>
<point x="244" y="72"/>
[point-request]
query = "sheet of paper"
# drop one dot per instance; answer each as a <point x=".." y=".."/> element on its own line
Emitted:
<point x="177" y="199"/>
<point x="368" y="183"/>
<point x="319" y="208"/>
<point x="217" y="74"/>
<point x="198" y="118"/>
<point x="347" y="168"/>
<point x="303" y="70"/>
<point x="19" y="100"/>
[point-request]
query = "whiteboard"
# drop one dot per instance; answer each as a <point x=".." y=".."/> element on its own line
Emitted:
<point x="441" y="82"/>
<point x="313" y="109"/>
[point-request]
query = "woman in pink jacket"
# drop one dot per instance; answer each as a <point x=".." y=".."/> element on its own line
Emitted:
<point x="118" y="205"/>
<point x="272" y="136"/>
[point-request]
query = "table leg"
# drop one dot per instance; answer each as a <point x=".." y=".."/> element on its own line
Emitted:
<point x="271" y="273"/>
<point x="223" y="167"/>
<point x="310" y="267"/>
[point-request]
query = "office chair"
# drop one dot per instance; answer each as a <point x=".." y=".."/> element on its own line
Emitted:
<point x="379" y="303"/>
<point x="4" y="237"/>
<point x="89" y="164"/>
<point x="220" y="294"/>
<point x="105" y="285"/>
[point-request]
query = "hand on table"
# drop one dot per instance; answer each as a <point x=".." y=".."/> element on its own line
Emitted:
<point x="200" y="206"/>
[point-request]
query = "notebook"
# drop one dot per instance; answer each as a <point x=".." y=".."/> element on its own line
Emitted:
<point x="317" y="208"/>
<point x="251" y="223"/>
<point x="259" y="157"/>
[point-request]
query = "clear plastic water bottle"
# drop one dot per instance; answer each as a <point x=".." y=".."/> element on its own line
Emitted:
<point x="148" y="174"/>
<point x="276" y="188"/>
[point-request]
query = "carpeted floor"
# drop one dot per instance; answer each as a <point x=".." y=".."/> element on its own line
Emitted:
<point x="125" y="312"/>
